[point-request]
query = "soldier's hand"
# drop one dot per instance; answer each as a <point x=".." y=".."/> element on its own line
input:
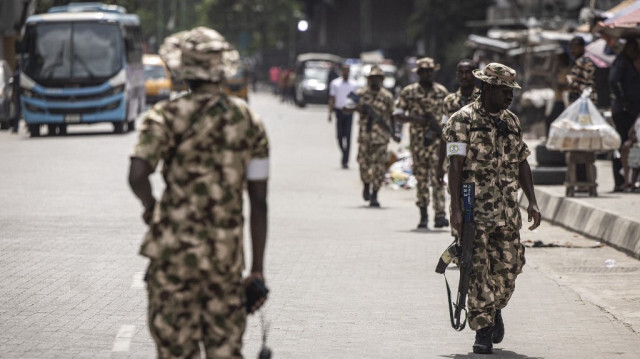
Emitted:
<point x="147" y="215"/>
<point x="440" y="175"/>
<point x="456" y="221"/>
<point x="260" y="302"/>
<point x="534" y="213"/>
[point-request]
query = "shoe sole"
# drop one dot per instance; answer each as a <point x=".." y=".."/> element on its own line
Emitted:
<point x="482" y="351"/>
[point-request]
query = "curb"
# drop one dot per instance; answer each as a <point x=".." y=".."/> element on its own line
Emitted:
<point x="618" y="232"/>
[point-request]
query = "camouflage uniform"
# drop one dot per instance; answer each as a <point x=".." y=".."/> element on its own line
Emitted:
<point x="206" y="140"/>
<point x="452" y="103"/>
<point x="415" y="100"/>
<point x="372" y="145"/>
<point x="582" y="75"/>
<point x="492" y="163"/>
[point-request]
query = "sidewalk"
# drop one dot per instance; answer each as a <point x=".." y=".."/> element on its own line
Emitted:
<point x="612" y="218"/>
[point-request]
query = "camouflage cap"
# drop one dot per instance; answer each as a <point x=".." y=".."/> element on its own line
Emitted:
<point x="497" y="74"/>
<point x="199" y="54"/>
<point x="426" y="63"/>
<point x="375" y="71"/>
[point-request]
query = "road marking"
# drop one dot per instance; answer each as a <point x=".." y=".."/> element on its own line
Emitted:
<point x="138" y="280"/>
<point x="123" y="338"/>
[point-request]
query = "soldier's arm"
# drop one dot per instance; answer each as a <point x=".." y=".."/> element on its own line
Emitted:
<point x="258" y="223"/>
<point x="442" y="152"/>
<point x="456" y="164"/>
<point x="139" y="172"/>
<point x="526" y="183"/>
<point x="152" y="146"/>
<point x="455" y="134"/>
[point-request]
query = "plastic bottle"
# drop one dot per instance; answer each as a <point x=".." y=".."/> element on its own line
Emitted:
<point x="610" y="263"/>
<point x="583" y="114"/>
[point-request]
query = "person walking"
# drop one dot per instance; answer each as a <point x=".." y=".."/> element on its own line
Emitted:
<point x="582" y="74"/>
<point x="376" y="123"/>
<point x="624" y="79"/>
<point x="339" y="90"/>
<point x="420" y="104"/>
<point x="213" y="146"/>
<point x="485" y="147"/>
<point x="466" y="94"/>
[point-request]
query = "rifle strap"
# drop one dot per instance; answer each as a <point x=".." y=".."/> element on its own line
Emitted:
<point x="458" y="327"/>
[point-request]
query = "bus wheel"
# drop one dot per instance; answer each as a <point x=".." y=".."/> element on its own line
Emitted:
<point x="118" y="127"/>
<point x="51" y="130"/>
<point x="34" y="130"/>
<point x="62" y="129"/>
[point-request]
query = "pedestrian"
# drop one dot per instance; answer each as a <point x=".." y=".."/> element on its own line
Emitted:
<point x="375" y="129"/>
<point x="624" y="79"/>
<point x="583" y="72"/>
<point x="339" y="90"/>
<point x="421" y="104"/>
<point x="274" y="77"/>
<point x="466" y="94"/>
<point x="485" y="147"/>
<point x="212" y="146"/>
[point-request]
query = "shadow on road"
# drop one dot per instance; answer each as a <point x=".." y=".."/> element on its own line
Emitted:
<point x="497" y="353"/>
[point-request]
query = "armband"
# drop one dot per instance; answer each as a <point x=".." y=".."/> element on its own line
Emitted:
<point x="444" y="120"/>
<point x="258" y="169"/>
<point x="456" y="149"/>
<point x="398" y="111"/>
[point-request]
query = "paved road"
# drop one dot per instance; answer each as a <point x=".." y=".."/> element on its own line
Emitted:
<point x="347" y="281"/>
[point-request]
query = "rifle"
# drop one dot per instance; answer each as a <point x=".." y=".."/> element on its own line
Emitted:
<point x="372" y="114"/>
<point x="462" y="250"/>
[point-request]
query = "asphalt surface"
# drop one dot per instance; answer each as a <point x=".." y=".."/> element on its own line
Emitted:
<point x="346" y="281"/>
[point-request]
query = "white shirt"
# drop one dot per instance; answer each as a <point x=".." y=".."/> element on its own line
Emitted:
<point x="339" y="89"/>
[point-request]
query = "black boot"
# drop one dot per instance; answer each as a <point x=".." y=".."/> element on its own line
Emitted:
<point x="483" y="341"/>
<point x="441" y="221"/>
<point x="366" y="195"/>
<point x="498" y="328"/>
<point x="374" y="199"/>
<point x="424" y="218"/>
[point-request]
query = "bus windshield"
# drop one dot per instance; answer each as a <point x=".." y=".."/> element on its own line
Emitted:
<point x="76" y="52"/>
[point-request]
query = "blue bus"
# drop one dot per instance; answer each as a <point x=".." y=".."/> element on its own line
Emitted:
<point x="81" y="64"/>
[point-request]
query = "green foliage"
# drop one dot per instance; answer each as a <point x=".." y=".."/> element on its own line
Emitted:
<point x="440" y="25"/>
<point x="249" y="24"/>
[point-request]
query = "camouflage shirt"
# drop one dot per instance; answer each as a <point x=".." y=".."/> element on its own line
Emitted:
<point x="492" y="162"/>
<point x="206" y="141"/>
<point x="455" y="101"/>
<point x="382" y="103"/>
<point x="583" y="75"/>
<point x="414" y="100"/>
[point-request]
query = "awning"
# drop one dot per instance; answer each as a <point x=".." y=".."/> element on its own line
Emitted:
<point x="624" y="23"/>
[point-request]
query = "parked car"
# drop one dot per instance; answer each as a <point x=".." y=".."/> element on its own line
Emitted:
<point x="157" y="79"/>
<point x="312" y="76"/>
<point x="5" y="95"/>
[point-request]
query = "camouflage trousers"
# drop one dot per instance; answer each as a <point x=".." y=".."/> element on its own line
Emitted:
<point x="425" y="162"/>
<point x="498" y="258"/>
<point x="189" y="307"/>
<point x="372" y="158"/>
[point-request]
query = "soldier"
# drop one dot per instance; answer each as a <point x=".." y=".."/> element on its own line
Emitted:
<point x="467" y="93"/>
<point x="375" y="108"/>
<point x="485" y="146"/>
<point x="583" y="72"/>
<point x="421" y="105"/>
<point x="212" y="146"/>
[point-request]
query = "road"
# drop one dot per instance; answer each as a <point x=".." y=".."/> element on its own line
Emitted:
<point x="346" y="281"/>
